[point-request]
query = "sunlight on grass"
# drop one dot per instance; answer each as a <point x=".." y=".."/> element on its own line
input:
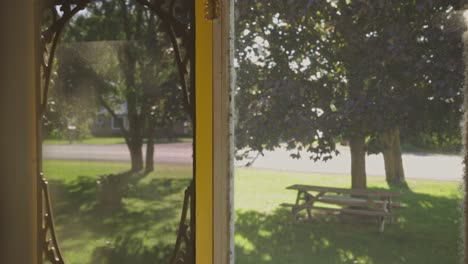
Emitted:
<point x="427" y="230"/>
<point x="347" y="256"/>
<point x="244" y="243"/>
<point x="142" y="227"/>
<point x="264" y="190"/>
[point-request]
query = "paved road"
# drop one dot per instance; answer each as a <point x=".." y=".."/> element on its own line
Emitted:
<point x="423" y="166"/>
<point x="428" y="166"/>
<point x="174" y="153"/>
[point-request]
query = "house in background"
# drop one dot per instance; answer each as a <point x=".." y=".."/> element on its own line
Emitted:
<point x="105" y="125"/>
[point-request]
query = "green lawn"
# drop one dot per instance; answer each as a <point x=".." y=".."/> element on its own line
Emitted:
<point x="427" y="230"/>
<point x="143" y="228"/>
<point x="104" y="141"/>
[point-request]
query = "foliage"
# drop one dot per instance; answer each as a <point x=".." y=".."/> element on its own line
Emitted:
<point x="128" y="57"/>
<point x="110" y="35"/>
<point x="313" y="71"/>
<point x="434" y="142"/>
<point x="68" y="116"/>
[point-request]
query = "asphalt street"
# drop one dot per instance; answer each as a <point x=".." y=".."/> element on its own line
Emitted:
<point x="426" y="166"/>
<point x="174" y="153"/>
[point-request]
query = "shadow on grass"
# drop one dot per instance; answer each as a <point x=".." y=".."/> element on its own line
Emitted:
<point x="129" y="249"/>
<point x="427" y="231"/>
<point x="140" y="228"/>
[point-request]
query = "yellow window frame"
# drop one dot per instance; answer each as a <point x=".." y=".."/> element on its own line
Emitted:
<point x="203" y="136"/>
<point x="213" y="132"/>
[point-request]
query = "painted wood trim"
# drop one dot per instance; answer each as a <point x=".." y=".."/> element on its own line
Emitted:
<point x="203" y="136"/>
<point x="18" y="152"/>
<point x="223" y="130"/>
<point x="464" y="227"/>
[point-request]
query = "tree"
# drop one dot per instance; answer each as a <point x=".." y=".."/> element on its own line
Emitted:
<point x="68" y="116"/>
<point x="428" y="68"/>
<point x="141" y="72"/>
<point x="317" y="71"/>
<point x="441" y="97"/>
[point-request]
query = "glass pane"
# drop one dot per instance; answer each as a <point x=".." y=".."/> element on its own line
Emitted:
<point x="348" y="131"/>
<point x="117" y="133"/>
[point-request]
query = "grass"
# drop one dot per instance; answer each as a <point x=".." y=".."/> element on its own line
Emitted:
<point x="427" y="230"/>
<point x="106" y="141"/>
<point x="143" y="228"/>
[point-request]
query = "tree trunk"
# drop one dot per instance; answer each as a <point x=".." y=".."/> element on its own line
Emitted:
<point x="149" y="164"/>
<point x="128" y="65"/>
<point x="136" y="156"/>
<point x="394" y="172"/>
<point x="357" y="146"/>
<point x="135" y="143"/>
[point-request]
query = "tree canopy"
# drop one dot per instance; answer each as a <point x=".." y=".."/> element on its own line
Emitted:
<point x="133" y="53"/>
<point x="314" y="72"/>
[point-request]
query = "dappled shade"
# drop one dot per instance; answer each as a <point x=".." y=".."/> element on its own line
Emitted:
<point x="141" y="230"/>
<point x="426" y="232"/>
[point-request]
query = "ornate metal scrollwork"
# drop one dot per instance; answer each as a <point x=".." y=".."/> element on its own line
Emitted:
<point x="185" y="254"/>
<point x="56" y="14"/>
<point x="50" y="248"/>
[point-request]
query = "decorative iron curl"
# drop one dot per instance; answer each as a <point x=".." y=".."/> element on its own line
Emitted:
<point x="184" y="250"/>
<point x="176" y="25"/>
<point x="50" y="247"/>
<point x="173" y="15"/>
<point x="59" y="12"/>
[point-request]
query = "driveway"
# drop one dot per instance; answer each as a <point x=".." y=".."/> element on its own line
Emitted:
<point x="426" y="166"/>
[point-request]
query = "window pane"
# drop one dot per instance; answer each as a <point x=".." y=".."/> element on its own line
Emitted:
<point x="117" y="138"/>
<point x="347" y="135"/>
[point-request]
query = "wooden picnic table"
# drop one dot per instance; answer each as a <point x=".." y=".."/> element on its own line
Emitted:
<point x="372" y="203"/>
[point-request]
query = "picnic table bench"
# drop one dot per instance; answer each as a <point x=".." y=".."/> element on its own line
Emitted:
<point x="372" y="203"/>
